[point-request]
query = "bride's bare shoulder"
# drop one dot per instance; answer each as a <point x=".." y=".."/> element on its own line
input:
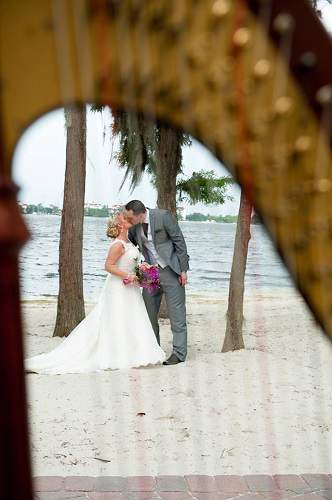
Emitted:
<point x="117" y="246"/>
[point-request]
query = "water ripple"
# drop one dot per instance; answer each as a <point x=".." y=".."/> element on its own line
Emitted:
<point x="209" y="245"/>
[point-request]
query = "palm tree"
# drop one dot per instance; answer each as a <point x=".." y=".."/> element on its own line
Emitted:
<point x="70" y="310"/>
<point x="233" y="337"/>
<point x="155" y="147"/>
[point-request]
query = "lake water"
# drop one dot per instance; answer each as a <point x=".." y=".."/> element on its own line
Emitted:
<point x="210" y="246"/>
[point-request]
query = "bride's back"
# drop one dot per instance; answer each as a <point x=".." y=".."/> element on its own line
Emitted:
<point x="127" y="261"/>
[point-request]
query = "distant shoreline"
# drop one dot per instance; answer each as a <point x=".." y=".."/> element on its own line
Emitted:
<point x="210" y="221"/>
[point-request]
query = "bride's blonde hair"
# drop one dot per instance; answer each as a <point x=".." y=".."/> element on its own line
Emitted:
<point x="113" y="229"/>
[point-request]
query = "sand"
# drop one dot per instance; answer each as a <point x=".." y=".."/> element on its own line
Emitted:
<point x="266" y="409"/>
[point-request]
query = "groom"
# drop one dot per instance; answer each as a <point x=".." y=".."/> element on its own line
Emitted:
<point x="159" y="238"/>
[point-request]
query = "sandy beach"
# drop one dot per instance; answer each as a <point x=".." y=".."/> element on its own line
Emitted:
<point x="266" y="409"/>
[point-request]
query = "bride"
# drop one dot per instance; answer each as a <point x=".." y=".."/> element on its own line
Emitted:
<point x="117" y="333"/>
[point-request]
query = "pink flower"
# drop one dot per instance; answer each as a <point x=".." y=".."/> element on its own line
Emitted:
<point x="148" y="276"/>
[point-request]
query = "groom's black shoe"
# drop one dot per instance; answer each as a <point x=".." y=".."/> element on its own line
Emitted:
<point x="172" y="360"/>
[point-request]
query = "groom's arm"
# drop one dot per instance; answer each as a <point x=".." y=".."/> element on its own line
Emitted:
<point x="174" y="232"/>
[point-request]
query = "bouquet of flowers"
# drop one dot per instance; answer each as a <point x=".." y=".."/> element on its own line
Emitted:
<point x="147" y="276"/>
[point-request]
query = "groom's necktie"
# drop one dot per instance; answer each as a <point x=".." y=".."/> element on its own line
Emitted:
<point x="145" y="228"/>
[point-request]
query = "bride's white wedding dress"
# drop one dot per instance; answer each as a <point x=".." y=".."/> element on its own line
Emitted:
<point x="116" y="334"/>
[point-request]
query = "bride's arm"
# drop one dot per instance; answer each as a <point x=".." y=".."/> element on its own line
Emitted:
<point x="113" y="256"/>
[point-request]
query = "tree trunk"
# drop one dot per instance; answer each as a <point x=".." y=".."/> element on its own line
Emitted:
<point x="70" y="299"/>
<point x="167" y="168"/>
<point x="233" y="337"/>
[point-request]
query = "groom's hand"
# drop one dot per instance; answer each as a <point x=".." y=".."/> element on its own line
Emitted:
<point x="183" y="279"/>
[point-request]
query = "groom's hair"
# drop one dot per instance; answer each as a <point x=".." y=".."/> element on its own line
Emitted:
<point x="136" y="206"/>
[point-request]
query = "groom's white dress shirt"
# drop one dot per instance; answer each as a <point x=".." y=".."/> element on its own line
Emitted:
<point x="148" y="242"/>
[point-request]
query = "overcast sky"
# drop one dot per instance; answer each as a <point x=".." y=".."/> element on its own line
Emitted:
<point x="39" y="162"/>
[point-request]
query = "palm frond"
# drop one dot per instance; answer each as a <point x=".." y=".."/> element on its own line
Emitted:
<point x="204" y="187"/>
<point x="97" y="108"/>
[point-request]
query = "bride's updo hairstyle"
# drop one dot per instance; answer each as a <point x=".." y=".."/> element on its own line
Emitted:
<point x="113" y="229"/>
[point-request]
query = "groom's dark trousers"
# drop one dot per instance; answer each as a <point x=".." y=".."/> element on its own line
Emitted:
<point x="176" y="305"/>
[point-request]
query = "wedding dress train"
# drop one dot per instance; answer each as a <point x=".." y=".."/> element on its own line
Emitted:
<point x="116" y="334"/>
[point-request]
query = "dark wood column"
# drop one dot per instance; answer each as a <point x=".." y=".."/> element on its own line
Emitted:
<point x="15" y="471"/>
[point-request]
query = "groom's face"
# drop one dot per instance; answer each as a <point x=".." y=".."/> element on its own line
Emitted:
<point x="134" y="218"/>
